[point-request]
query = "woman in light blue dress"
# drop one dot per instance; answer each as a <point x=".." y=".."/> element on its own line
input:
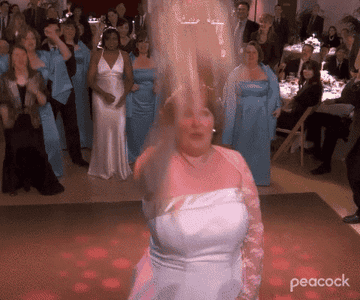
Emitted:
<point x="252" y="106"/>
<point x="79" y="81"/>
<point x="141" y="102"/>
<point x="40" y="60"/>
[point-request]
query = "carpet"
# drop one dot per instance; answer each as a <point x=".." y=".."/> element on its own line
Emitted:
<point x="87" y="251"/>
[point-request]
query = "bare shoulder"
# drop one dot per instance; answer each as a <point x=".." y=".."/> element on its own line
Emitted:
<point x="95" y="56"/>
<point x="125" y="55"/>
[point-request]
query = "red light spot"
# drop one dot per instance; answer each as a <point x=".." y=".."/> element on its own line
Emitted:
<point x="287" y="297"/>
<point x="81" y="288"/>
<point x="146" y="234"/>
<point x="297" y="247"/>
<point x="331" y="289"/>
<point x="277" y="250"/>
<point x="89" y="274"/>
<point x="280" y="264"/>
<point x="115" y="242"/>
<point x="81" y="263"/>
<point x="96" y="253"/>
<point x="305" y="256"/>
<point x="82" y="239"/>
<point x="40" y="295"/>
<point x="312" y="295"/>
<point x="353" y="295"/>
<point x="67" y="255"/>
<point x="64" y="273"/>
<point x="121" y="263"/>
<point x="111" y="284"/>
<point x="276" y="281"/>
<point x="307" y="272"/>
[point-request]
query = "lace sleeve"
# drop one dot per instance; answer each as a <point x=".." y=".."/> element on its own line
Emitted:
<point x="252" y="250"/>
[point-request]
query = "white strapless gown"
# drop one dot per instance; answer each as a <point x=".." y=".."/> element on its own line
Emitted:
<point x="194" y="250"/>
<point x="109" y="155"/>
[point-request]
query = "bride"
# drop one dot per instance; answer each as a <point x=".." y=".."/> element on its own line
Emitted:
<point x="199" y="199"/>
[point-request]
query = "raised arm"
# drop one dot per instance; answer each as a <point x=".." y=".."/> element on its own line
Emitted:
<point x="64" y="50"/>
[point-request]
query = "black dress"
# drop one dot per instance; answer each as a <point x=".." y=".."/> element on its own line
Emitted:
<point x="26" y="163"/>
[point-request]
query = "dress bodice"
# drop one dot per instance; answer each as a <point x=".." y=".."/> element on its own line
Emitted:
<point x="144" y="77"/>
<point x="111" y="79"/>
<point x="258" y="88"/>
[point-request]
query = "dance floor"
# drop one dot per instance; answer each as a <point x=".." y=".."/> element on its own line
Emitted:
<point x="88" y="251"/>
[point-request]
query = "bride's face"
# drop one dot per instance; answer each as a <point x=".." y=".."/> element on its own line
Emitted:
<point x="194" y="129"/>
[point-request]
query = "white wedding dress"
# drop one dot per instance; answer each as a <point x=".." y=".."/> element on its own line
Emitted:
<point x="204" y="246"/>
<point x="109" y="155"/>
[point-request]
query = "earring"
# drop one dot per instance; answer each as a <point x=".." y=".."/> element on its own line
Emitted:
<point x="214" y="130"/>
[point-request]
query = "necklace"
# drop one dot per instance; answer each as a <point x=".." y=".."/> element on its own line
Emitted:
<point x="197" y="162"/>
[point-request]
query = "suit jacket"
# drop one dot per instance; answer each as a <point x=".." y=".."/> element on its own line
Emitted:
<point x="145" y="26"/>
<point x="282" y="31"/>
<point x="293" y="66"/>
<point x="11" y="98"/>
<point x="38" y="24"/>
<point x="331" y="66"/>
<point x="250" y="27"/>
<point x="5" y="26"/>
<point x="316" y="27"/>
<point x="335" y="42"/>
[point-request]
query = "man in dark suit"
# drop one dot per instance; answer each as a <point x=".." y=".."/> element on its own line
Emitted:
<point x="295" y="65"/>
<point x="281" y="27"/>
<point x="244" y="27"/>
<point x="4" y="17"/>
<point x="35" y="17"/>
<point x="337" y="65"/>
<point x="142" y="20"/>
<point x="312" y="23"/>
<point x="65" y="103"/>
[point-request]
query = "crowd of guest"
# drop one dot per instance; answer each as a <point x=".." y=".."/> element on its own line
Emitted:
<point x="98" y="81"/>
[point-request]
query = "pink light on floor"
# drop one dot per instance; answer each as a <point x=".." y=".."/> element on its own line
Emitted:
<point x="81" y="264"/>
<point x="40" y="295"/>
<point x="276" y="281"/>
<point x="114" y="242"/>
<point x="96" y="253"/>
<point x="126" y="228"/>
<point x="111" y="284"/>
<point x="305" y="256"/>
<point x="121" y="263"/>
<point x="277" y="250"/>
<point x="67" y="255"/>
<point x="81" y="288"/>
<point x="280" y="264"/>
<point x="307" y="272"/>
<point x="312" y="295"/>
<point x="89" y="274"/>
<point x="64" y="274"/>
<point x="297" y="247"/>
<point x="287" y="297"/>
<point x="353" y="295"/>
<point x="146" y="234"/>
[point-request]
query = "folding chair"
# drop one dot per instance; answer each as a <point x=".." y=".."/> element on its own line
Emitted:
<point x="298" y="130"/>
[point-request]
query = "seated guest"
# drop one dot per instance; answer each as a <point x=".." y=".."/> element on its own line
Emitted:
<point x="309" y="94"/>
<point x="332" y="38"/>
<point x="295" y="65"/>
<point x="312" y="23"/>
<point x="281" y="28"/>
<point x="334" y="128"/>
<point x="26" y="162"/>
<point x="268" y="41"/>
<point x="347" y="38"/>
<point x="337" y="65"/>
<point x="324" y="51"/>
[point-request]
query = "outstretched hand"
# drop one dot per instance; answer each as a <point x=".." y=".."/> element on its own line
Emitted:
<point x="277" y="113"/>
<point x="109" y="98"/>
<point x="121" y="101"/>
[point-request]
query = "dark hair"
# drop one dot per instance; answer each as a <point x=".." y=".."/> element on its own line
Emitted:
<point x="106" y="35"/>
<point x="49" y="22"/>
<point x="12" y="7"/>
<point x="141" y="37"/>
<point x="314" y="66"/>
<point x="107" y="21"/>
<point x="4" y="2"/>
<point x="342" y="48"/>
<point x="258" y="49"/>
<point x="237" y="3"/>
<point x="71" y="22"/>
<point x="74" y="6"/>
<point x="11" y="71"/>
<point x="333" y="27"/>
<point x="25" y="32"/>
<point x="278" y="5"/>
<point x="311" y="46"/>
